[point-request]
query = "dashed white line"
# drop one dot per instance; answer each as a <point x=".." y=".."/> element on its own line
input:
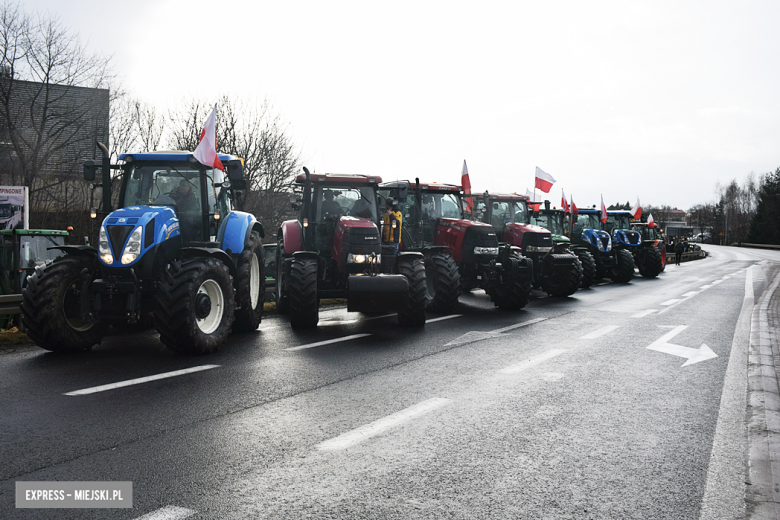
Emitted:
<point x="690" y="293"/>
<point x="130" y="382"/>
<point x="326" y="342"/>
<point x="544" y="356"/>
<point x="644" y="313"/>
<point x="716" y="282"/>
<point x="705" y="286"/>
<point x="600" y="332"/>
<point x="444" y="318"/>
<point x="381" y="425"/>
<point x="671" y="302"/>
<point x="168" y="513"/>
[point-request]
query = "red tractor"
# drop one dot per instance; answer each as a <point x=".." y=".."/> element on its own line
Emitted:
<point x="557" y="270"/>
<point x="333" y="250"/>
<point x="460" y="254"/>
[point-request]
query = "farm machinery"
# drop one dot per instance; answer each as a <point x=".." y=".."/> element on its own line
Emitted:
<point x="333" y="250"/>
<point x="617" y="263"/>
<point x="175" y="253"/>
<point x="460" y="252"/>
<point x="651" y="237"/>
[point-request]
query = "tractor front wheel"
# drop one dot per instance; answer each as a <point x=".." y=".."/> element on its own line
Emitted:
<point x="588" y="268"/>
<point x="51" y="306"/>
<point x="623" y="272"/>
<point x="651" y="263"/>
<point x="414" y="311"/>
<point x="442" y="281"/>
<point x="304" y="303"/>
<point x="515" y="294"/>
<point x="195" y="306"/>
<point x="566" y="284"/>
<point x="282" y="297"/>
<point x="250" y="279"/>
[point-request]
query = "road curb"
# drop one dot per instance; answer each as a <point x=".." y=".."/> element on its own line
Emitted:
<point x="763" y="414"/>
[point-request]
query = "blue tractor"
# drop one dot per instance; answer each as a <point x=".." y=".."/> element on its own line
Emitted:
<point x="646" y="256"/>
<point x="616" y="263"/>
<point x="175" y="254"/>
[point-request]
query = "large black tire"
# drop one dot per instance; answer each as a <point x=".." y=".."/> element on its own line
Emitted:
<point x="413" y="313"/>
<point x="51" y="306"/>
<point x="282" y="297"/>
<point x="515" y="296"/>
<point x="623" y="272"/>
<point x="304" y="303"/>
<point x="662" y="251"/>
<point x="250" y="285"/>
<point x="566" y="284"/>
<point x="195" y="305"/>
<point x="651" y="264"/>
<point x="442" y="282"/>
<point x="588" y="268"/>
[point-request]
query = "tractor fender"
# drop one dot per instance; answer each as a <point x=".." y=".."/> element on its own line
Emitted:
<point x="77" y="250"/>
<point x="410" y="255"/>
<point x="234" y="232"/>
<point x="291" y="235"/>
<point x="433" y="250"/>
<point x="303" y="255"/>
<point x="187" y="253"/>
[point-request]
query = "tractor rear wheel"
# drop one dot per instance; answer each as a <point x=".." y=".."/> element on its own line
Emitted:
<point x="588" y="268"/>
<point x="195" y="305"/>
<point x="566" y="284"/>
<point x="414" y="311"/>
<point x="651" y="264"/>
<point x="304" y="303"/>
<point x="51" y="306"/>
<point x="442" y="281"/>
<point x="282" y="298"/>
<point x="516" y="295"/>
<point x="623" y="272"/>
<point x="250" y="281"/>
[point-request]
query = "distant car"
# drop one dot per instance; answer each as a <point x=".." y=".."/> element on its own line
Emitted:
<point x="270" y="270"/>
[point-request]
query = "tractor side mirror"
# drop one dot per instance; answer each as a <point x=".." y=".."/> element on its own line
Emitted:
<point x="235" y="170"/>
<point x="89" y="170"/>
<point x="402" y="193"/>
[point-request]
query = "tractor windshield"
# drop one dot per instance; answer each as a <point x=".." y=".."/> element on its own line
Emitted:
<point x="618" y="221"/>
<point x="436" y="205"/>
<point x="551" y="221"/>
<point x="35" y="249"/>
<point x="586" y="221"/>
<point x="355" y="201"/>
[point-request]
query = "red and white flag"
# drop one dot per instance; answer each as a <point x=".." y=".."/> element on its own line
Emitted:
<point x="650" y="221"/>
<point x="603" y="211"/>
<point x="564" y="204"/>
<point x="206" y="152"/>
<point x="464" y="179"/>
<point x="573" y="208"/>
<point x="637" y="210"/>
<point x="544" y="181"/>
<point x="534" y="207"/>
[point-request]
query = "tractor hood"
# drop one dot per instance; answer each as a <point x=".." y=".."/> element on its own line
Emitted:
<point x="156" y="223"/>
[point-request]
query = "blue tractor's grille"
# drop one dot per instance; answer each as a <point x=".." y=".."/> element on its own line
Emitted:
<point x="117" y="235"/>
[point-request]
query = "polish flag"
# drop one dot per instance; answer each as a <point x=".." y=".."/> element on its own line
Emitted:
<point x="544" y="181"/>
<point x="650" y="221"/>
<point x="637" y="210"/>
<point x="206" y="152"/>
<point x="603" y="211"/>
<point x="465" y="183"/>
<point x="573" y="208"/>
<point x="534" y="207"/>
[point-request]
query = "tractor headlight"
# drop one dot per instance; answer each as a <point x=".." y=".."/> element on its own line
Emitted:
<point x="103" y="248"/>
<point x="538" y="249"/>
<point x="133" y="247"/>
<point x="598" y="242"/>
<point x="356" y="259"/>
<point x="478" y="250"/>
<point x="609" y="243"/>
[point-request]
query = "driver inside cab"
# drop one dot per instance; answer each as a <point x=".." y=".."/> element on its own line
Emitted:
<point x="330" y="207"/>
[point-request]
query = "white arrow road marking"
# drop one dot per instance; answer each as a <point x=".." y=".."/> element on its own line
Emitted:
<point x="694" y="355"/>
<point x="130" y="382"/>
<point x="600" y="332"/>
<point x="168" y="513"/>
<point x="379" y="426"/>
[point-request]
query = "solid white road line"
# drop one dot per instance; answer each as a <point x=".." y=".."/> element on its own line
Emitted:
<point x="600" y="332"/>
<point x="379" y="426"/>
<point x="644" y="313"/>
<point x="444" y="318"/>
<point x="326" y="342"/>
<point x="140" y="380"/>
<point x="521" y="324"/>
<point x="544" y="356"/>
<point x="671" y="302"/>
<point x="168" y="513"/>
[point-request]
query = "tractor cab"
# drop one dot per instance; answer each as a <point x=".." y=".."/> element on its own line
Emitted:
<point x="618" y="225"/>
<point x="23" y="250"/>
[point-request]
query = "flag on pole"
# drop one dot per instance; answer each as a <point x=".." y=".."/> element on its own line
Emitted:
<point x="650" y="221"/>
<point x="564" y="204"/>
<point x="465" y="183"/>
<point x="603" y="211"/>
<point x="637" y="210"/>
<point x="534" y="207"/>
<point x="206" y="152"/>
<point x="544" y="180"/>
<point x="573" y="208"/>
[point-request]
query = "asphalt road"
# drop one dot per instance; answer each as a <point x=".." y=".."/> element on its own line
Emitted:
<point x="557" y="411"/>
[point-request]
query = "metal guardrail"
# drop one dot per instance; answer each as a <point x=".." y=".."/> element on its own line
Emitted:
<point x="759" y="246"/>
<point x="9" y="304"/>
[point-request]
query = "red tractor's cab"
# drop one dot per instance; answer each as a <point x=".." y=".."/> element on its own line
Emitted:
<point x="333" y="250"/>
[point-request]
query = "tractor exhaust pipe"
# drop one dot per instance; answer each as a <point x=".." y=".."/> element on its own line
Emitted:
<point x="308" y="206"/>
<point x="106" y="169"/>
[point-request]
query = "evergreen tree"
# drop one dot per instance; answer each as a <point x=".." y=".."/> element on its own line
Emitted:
<point x="765" y="226"/>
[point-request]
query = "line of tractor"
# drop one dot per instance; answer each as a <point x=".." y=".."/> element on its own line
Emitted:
<point x="178" y="255"/>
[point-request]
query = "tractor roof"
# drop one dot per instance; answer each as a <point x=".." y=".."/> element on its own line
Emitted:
<point x="424" y="186"/>
<point x="619" y="212"/>
<point x="589" y="211"/>
<point x="341" y="178"/>
<point x="507" y="196"/>
<point x="167" y="155"/>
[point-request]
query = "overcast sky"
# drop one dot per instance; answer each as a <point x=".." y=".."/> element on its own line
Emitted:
<point x="657" y="100"/>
